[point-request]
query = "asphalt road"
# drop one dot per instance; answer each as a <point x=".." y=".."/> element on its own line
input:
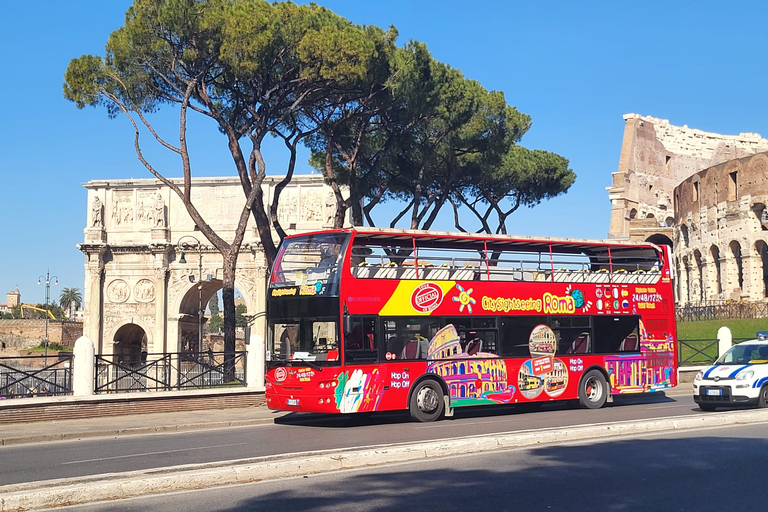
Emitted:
<point x="713" y="469"/>
<point x="36" y="462"/>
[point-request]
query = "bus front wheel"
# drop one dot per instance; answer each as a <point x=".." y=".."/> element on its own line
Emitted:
<point x="593" y="390"/>
<point x="427" y="402"/>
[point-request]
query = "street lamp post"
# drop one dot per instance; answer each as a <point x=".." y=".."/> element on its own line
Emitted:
<point x="183" y="246"/>
<point x="47" y="279"/>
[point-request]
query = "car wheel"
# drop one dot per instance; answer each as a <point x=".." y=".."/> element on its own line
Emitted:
<point x="593" y="390"/>
<point x="762" y="401"/>
<point x="707" y="407"/>
<point x="427" y="403"/>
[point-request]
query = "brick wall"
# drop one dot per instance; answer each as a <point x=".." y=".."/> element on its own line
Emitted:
<point x="21" y="334"/>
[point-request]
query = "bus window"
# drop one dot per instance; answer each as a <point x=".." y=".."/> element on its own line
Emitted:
<point x="515" y="334"/>
<point x="573" y="333"/>
<point x="305" y="340"/>
<point x="616" y="334"/>
<point x="408" y="338"/>
<point x="360" y="342"/>
<point x="287" y="341"/>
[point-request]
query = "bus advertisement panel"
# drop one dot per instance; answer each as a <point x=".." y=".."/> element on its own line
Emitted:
<point x="365" y="320"/>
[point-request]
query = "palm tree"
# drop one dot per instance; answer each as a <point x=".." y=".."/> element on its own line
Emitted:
<point x="70" y="298"/>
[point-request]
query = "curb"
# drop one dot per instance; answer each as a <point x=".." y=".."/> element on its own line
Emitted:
<point x="78" y="491"/>
<point x="9" y="441"/>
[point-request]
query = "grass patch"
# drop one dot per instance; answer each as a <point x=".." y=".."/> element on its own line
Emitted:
<point x="698" y="340"/>
<point x="741" y="328"/>
<point x="52" y="347"/>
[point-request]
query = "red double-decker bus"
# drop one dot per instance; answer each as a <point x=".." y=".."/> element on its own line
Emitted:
<point x="372" y="319"/>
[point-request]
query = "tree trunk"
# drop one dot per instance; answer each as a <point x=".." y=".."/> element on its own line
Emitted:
<point x="228" y="297"/>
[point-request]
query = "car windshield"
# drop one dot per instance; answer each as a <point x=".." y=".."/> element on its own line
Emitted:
<point x="746" y="353"/>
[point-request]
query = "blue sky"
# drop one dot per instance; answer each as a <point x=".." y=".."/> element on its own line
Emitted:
<point x="575" y="67"/>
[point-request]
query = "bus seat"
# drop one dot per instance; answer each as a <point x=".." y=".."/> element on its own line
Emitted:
<point x="629" y="344"/>
<point x="441" y="273"/>
<point x="411" y="350"/>
<point x="466" y="273"/>
<point x="474" y="346"/>
<point x="580" y="344"/>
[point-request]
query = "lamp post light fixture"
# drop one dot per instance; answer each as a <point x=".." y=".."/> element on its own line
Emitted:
<point x="185" y="246"/>
<point x="47" y="280"/>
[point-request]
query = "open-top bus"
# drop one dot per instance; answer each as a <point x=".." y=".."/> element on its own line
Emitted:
<point x="371" y="319"/>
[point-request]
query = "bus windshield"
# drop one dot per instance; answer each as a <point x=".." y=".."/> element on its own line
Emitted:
<point x="313" y="341"/>
<point x="308" y="262"/>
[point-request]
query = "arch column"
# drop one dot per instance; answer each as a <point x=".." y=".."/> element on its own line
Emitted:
<point x="159" y="341"/>
<point x="94" y="291"/>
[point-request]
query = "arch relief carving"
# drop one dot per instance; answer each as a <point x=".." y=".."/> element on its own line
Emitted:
<point x="144" y="291"/>
<point x="118" y="291"/>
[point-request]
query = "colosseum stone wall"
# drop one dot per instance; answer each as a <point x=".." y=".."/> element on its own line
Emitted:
<point x="721" y="226"/>
<point x="655" y="157"/>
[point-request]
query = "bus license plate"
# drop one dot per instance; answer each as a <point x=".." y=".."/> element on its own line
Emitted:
<point x="714" y="392"/>
<point x="292" y="401"/>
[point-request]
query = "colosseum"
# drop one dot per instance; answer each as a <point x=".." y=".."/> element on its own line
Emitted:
<point x="702" y="194"/>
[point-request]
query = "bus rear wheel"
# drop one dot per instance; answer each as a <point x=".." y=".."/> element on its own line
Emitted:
<point x="593" y="390"/>
<point x="427" y="403"/>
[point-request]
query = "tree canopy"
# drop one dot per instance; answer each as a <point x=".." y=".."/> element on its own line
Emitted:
<point x="383" y="122"/>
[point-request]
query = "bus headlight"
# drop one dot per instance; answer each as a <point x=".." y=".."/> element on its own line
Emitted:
<point x="745" y="374"/>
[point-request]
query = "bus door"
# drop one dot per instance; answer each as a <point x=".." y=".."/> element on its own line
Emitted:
<point x="365" y="382"/>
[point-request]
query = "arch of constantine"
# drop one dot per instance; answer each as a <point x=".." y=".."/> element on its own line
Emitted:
<point x="139" y="296"/>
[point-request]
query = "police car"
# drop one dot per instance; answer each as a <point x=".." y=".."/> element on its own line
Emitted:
<point x="738" y="377"/>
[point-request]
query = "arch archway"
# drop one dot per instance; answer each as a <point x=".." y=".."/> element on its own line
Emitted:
<point x="761" y="248"/>
<point x="737" y="267"/>
<point x="700" y="277"/>
<point x="714" y="251"/>
<point x="659" y="239"/>
<point x="130" y="344"/>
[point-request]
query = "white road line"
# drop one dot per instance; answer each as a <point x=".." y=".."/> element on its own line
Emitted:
<point x="151" y="453"/>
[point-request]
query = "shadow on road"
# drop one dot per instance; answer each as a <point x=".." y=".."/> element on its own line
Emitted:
<point x="632" y="475"/>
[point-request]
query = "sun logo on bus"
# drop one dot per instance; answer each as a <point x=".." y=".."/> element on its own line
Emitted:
<point x="464" y="298"/>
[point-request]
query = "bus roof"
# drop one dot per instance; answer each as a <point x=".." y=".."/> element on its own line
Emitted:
<point x="516" y="242"/>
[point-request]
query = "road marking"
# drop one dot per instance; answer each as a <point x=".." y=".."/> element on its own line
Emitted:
<point x="151" y="453"/>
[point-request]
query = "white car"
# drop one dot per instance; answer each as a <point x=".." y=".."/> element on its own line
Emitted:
<point x="738" y="377"/>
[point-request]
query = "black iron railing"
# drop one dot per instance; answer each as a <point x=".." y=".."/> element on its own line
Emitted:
<point x="165" y="372"/>
<point x="718" y="310"/>
<point x="27" y="376"/>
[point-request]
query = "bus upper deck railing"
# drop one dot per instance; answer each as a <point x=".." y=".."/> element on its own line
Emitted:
<point x="477" y="271"/>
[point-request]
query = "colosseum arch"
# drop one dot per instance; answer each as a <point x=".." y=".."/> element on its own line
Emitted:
<point x="761" y="257"/>
<point x="135" y="280"/>
<point x="717" y="274"/>
<point x="701" y="271"/>
<point x="735" y="278"/>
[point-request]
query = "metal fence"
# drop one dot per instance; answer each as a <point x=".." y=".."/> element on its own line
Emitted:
<point x="719" y="310"/>
<point x="700" y="352"/>
<point x="27" y="376"/>
<point x="165" y="372"/>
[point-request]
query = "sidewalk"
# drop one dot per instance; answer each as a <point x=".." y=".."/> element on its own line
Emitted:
<point x="111" y="426"/>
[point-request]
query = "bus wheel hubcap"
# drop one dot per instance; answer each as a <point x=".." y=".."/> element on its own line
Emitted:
<point x="593" y="390"/>
<point x="427" y="399"/>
